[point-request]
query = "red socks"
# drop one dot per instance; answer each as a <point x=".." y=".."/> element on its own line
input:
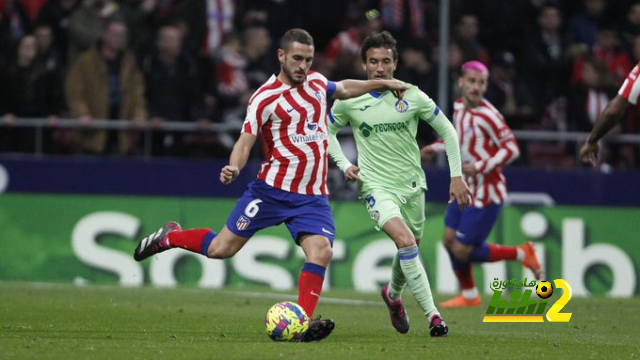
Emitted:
<point x="310" y="286"/>
<point x="465" y="277"/>
<point x="196" y="240"/>
<point x="502" y="252"/>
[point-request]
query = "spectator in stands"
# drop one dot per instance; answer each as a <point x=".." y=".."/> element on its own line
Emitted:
<point x="454" y="61"/>
<point x="14" y="23"/>
<point x="630" y="28"/>
<point x="55" y="13"/>
<point x="341" y="57"/>
<point x="466" y="35"/>
<point x="508" y="92"/>
<point x="589" y="97"/>
<point x="546" y="67"/>
<point x="582" y="28"/>
<point x="172" y="89"/>
<point x="48" y="55"/>
<point x="240" y="70"/>
<point x="105" y="83"/>
<point x="86" y="23"/>
<point x="140" y="16"/>
<point x="405" y="19"/>
<point x="415" y="66"/>
<point x="28" y="89"/>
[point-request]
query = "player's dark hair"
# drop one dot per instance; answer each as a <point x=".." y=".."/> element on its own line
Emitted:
<point x="379" y="40"/>
<point x="297" y="35"/>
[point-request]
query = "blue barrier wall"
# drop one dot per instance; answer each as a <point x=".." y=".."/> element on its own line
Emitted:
<point x="199" y="178"/>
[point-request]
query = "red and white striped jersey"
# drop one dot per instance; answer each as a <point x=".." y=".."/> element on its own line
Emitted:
<point x="487" y="141"/>
<point x="630" y="89"/>
<point x="293" y="121"/>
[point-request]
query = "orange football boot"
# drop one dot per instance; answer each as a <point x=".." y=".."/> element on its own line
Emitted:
<point x="459" y="301"/>
<point x="531" y="260"/>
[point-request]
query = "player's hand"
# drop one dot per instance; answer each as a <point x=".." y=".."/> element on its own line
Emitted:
<point x="351" y="174"/>
<point x="427" y="153"/>
<point x="460" y="192"/>
<point x="228" y="174"/>
<point x="589" y="153"/>
<point x="397" y="87"/>
<point x="469" y="169"/>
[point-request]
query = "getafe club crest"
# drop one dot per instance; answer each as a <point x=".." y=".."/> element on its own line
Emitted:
<point x="402" y="106"/>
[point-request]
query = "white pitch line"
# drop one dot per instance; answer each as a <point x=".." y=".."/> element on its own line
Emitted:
<point x="328" y="300"/>
<point x="249" y="294"/>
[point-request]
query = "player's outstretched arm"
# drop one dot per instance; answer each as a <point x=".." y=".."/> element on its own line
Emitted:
<point x="448" y="134"/>
<point x="605" y="122"/>
<point x="238" y="158"/>
<point x="347" y="89"/>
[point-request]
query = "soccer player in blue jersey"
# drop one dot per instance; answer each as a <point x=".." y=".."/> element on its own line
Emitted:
<point x="389" y="174"/>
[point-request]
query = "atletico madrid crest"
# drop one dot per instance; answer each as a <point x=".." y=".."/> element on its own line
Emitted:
<point x="243" y="222"/>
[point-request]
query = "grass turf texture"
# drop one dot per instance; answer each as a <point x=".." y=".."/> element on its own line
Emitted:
<point x="47" y="321"/>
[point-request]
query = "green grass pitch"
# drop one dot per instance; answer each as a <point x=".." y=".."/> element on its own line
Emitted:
<point x="49" y="321"/>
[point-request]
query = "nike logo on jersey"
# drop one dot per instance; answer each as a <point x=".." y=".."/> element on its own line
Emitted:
<point x="289" y="110"/>
<point x="365" y="107"/>
<point x="327" y="231"/>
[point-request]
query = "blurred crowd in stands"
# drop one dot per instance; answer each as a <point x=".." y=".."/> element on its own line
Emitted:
<point x="554" y="64"/>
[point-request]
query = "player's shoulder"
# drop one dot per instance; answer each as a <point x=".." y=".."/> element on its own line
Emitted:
<point x="314" y="75"/>
<point x="414" y="92"/>
<point x="487" y="109"/>
<point x="267" y="90"/>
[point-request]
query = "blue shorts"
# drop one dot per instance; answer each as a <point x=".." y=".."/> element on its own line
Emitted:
<point x="472" y="225"/>
<point x="262" y="206"/>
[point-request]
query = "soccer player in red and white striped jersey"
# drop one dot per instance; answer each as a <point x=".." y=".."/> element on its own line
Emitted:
<point x="611" y="115"/>
<point x="290" y="111"/>
<point x="487" y="144"/>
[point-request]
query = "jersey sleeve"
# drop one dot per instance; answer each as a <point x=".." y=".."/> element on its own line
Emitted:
<point x="431" y="113"/>
<point x="630" y="89"/>
<point x="428" y="110"/>
<point x="257" y="116"/>
<point x="502" y="136"/>
<point x="337" y="120"/>
<point x="447" y="133"/>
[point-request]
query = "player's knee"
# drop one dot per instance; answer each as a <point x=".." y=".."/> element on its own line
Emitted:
<point x="461" y="253"/>
<point x="321" y="255"/>
<point x="448" y="242"/>
<point x="324" y="255"/>
<point x="220" y="252"/>
<point x="405" y="241"/>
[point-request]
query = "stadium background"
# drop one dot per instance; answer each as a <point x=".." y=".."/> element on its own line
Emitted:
<point x="71" y="216"/>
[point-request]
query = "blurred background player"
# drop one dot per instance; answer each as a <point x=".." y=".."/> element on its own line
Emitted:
<point x="290" y="110"/>
<point x="385" y="130"/>
<point x="487" y="144"/>
<point x="611" y="115"/>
